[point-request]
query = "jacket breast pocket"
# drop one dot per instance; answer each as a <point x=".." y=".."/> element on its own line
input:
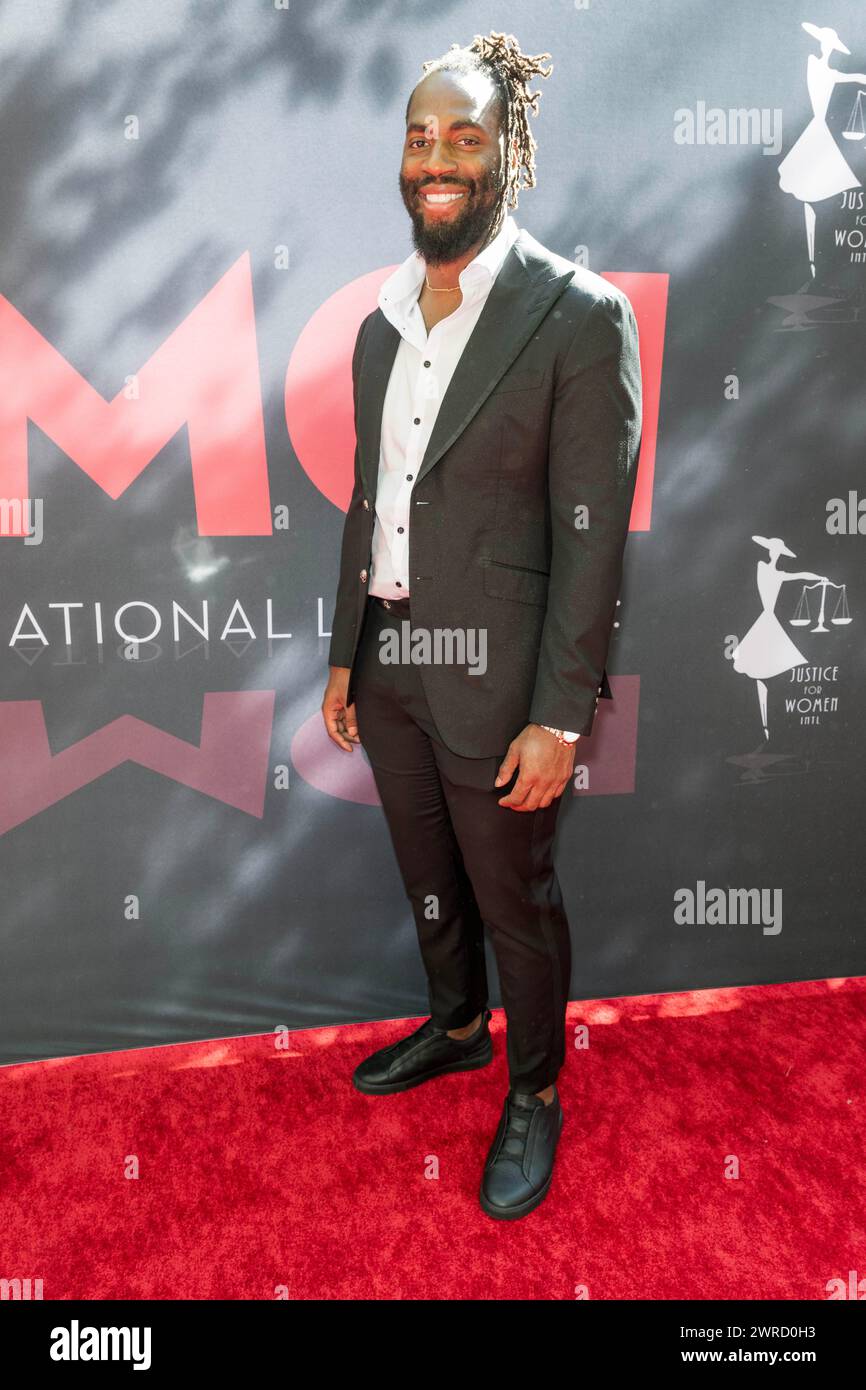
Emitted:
<point x="523" y="380"/>
<point x="515" y="582"/>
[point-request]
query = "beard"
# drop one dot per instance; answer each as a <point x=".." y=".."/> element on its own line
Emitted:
<point x="441" y="242"/>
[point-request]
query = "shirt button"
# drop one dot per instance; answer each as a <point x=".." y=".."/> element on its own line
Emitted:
<point x="417" y="420"/>
<point x="426" y="364"/>
<point x="397" y="582"/>
<point x="408" y="477"/>
<point x="399" y="530"/>
<point x="363" y="576"/>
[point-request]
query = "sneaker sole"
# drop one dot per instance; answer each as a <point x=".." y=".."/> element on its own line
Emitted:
<point x="390" y="1088"/>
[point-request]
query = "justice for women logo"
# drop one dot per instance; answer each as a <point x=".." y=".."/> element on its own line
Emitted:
<point x="822" y="173"/>
<point x="793" y="659"/>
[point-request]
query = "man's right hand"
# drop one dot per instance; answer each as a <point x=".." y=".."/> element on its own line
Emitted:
<point x="340" y="721"/>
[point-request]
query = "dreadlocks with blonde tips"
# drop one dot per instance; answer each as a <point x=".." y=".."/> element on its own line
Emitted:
<point x="499" y="56"/>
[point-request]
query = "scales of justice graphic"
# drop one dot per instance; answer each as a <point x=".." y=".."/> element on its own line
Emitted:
<point x="855" y="129"/>
<point x="841" y="614"/>
<point x="767" y="650"/>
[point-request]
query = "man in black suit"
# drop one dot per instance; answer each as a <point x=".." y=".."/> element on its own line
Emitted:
<point x="498" y="419"/>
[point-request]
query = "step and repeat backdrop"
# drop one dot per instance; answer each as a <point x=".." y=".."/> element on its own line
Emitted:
<point x="199" y="205"/>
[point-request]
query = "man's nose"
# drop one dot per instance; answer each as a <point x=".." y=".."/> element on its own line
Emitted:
<point x="438" y="161"/>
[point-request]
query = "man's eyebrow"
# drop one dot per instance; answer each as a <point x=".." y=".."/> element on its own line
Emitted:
<point x="455" y="125"/>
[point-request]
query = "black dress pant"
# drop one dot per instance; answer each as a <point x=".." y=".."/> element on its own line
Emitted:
<point x="467" y="863"/>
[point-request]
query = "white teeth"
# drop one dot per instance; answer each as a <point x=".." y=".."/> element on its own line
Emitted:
<point x="441" y="197"/>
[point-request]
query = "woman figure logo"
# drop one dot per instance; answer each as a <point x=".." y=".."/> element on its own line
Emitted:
<point x="767" y="650"/>
<point x="815" y="168"/>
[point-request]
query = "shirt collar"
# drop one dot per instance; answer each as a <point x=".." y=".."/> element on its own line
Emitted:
<point x="400" y="290"/>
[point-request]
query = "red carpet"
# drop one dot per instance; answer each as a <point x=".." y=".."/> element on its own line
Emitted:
<point x="261" y="1168"/>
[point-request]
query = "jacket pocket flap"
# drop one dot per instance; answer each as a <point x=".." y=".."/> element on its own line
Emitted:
<point x="514" y="582"/>
<point x="522" y="380"/>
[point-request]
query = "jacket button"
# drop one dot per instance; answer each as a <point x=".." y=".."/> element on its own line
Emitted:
<point x="363" y="576"/>
<point x="366" y="505"/>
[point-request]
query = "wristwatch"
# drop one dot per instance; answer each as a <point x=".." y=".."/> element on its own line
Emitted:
<point x="562" y="735"/>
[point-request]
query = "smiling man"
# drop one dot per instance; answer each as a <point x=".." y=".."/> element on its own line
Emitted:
<point x="498" y="418"/>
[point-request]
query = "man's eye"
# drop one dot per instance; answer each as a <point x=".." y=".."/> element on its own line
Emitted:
<point x="420" y="140"/>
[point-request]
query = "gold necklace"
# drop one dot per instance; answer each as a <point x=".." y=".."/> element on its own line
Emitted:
<point x="449" y="289"/>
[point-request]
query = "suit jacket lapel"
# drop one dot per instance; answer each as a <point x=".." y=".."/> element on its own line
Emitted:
<point x="523" y="292"/>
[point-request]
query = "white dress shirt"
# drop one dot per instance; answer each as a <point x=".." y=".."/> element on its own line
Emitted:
<point x="423" y="367"/>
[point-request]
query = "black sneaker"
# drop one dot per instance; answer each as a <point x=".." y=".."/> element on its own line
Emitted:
<point x="519" y="1165"/>
<point x="426" y="1053"/>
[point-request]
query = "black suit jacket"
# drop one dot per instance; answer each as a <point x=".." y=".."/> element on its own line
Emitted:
<point x="541" y="417"/>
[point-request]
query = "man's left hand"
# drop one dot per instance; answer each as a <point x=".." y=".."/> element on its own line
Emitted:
<point x="545" y="769"/>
